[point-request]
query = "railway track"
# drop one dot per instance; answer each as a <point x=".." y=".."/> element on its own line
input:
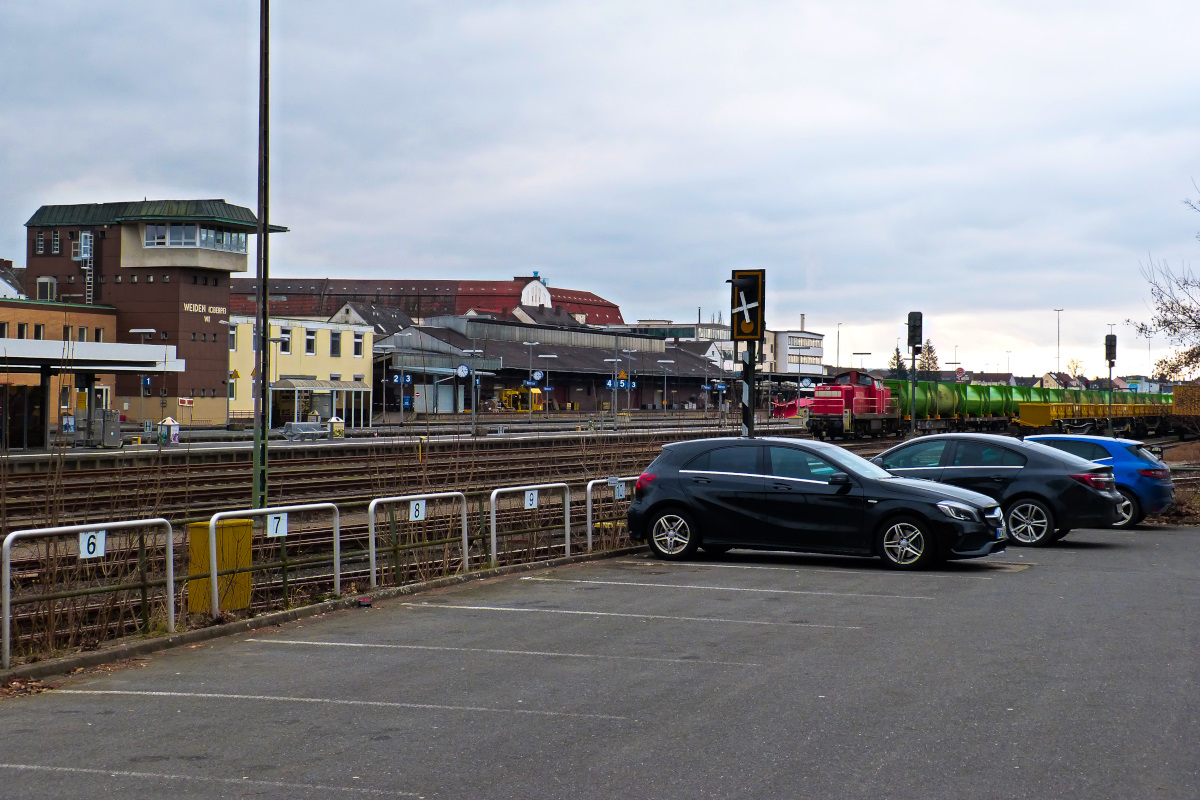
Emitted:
<point x="182" y="491"/>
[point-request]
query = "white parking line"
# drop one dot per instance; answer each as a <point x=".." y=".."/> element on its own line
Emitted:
<point x="636" y="616"/>
<point x="597" y="656"/>
<point x="802" y="569"/>
<point x="335" y="702"/>
<point x="162" y="776"/>
<point x="733" y="589"/>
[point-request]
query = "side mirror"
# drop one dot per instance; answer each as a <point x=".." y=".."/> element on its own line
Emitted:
<point x="839" y="479"/>
<point x="877" y="461"/>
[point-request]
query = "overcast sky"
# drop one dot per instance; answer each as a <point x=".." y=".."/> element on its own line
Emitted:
<point x="984" y="163"/>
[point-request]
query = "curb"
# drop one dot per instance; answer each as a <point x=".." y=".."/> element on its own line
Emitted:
<point x="121" y="652"/>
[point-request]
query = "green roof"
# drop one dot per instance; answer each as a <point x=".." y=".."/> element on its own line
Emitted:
<point x="85" y="214"/>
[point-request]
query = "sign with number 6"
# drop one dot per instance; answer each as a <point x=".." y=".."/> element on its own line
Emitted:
<point x="91" y="544"/>
<point x="531" y="498"/>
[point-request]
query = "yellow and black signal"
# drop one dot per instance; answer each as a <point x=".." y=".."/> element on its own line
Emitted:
<point x="747" y="298"/>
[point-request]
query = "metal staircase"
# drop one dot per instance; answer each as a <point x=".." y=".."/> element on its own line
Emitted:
<point x="81" y="251"/>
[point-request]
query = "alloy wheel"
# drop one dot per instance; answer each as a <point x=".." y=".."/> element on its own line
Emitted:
<point x="1028" y="523"/>
<point x="1124" y="512"/>
<point x="903" y="543"/>
<point x="671" y="534"/>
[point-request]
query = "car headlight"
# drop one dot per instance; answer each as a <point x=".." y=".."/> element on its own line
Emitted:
<point x="957" y="510"/>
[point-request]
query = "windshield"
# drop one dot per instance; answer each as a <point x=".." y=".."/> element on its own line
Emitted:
<point x="856" y="465"/>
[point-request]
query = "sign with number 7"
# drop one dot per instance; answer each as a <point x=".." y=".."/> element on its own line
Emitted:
<point x="277" y="524"/>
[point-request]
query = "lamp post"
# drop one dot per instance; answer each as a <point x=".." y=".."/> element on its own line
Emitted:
<point x="1008" y="361"/>
<point x="838" y="365"/>
<point x="1058" y="355"/>
<point x="474" y="390"/>
<point x="530" y="345"/>
<point x="861" y="362"/>
<point x="146" y="334"/>
<point x="232" y="326"/>
<point x="546" y="376"/>
<point x="629" y="380"/>
<point x="614" y="362"/>
<point x="664" y="362"/>
<point x="400" y="336"/>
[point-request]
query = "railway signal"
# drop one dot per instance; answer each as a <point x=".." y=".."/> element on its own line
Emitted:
<point x="1110" y="355"/>
<point x="914" y="344"/>
<point x="746" y="321"/>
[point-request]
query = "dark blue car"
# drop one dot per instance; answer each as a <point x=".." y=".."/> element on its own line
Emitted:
<point x="1142" y="479"/>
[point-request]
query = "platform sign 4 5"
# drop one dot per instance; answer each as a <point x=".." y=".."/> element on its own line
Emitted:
<point x="91" y="544"/>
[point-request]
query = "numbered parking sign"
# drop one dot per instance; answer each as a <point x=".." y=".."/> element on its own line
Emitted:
<point x="277" y="524"/>
<point x="531" y="498"/>
<point x="619" y="490"/>
<point x="91" y="544"/>
<point x="416" y="510"/>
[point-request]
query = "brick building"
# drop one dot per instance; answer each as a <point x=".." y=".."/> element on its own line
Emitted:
<point x="422" y="299"/>
<point x="165" y="267"/>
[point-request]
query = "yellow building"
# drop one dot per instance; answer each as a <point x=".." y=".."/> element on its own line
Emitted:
<point x="316" y="368"/>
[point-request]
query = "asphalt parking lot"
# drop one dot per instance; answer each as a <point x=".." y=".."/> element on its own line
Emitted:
<point x="1069" y="671"/>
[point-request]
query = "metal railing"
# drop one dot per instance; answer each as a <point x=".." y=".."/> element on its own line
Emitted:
<point x="614" y="482"/>
<point x="250" y="513"/>
<point x="535" y="487"/>
<point x="31" y="533"/>
<point x="413" y="498"/>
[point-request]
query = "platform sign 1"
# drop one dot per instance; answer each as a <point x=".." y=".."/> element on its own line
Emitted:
<point x="531" y="498"/>
<point x="91" y="544"/>
<point x="416" y="511"/>
<point x="277" y="524"/>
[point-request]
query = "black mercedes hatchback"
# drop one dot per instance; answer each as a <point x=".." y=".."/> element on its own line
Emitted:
<point x="1044" y="492"/>
<point x="784" y="494"/>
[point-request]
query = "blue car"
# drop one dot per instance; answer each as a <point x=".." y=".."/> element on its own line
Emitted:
<point x="1142" y="479"/>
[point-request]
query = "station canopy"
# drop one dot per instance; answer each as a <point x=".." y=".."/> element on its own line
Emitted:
<point x="34" y="355"/>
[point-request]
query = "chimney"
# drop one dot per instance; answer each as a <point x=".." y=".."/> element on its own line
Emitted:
<point x="801" y="322"/>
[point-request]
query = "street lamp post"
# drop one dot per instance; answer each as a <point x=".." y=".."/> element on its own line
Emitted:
<point x="399" y="336"/>
<point x="548" y="387"/>
<point x="146" y="334"/>
<point x="614" y="362"/>
<point x="838" y="365"/>
<point x="1058" y="352"/>
<point x="664" y="362"/>
<point x="530" y="345"/>
<point x="861" y="362"/>
<point x="474" y="354"/>
<point x="628" y="380"/>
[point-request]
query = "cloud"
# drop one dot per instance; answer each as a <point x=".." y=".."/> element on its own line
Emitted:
<point x="981" y="162"/>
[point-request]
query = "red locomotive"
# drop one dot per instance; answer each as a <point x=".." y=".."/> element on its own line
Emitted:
<point x="855" y="404"/>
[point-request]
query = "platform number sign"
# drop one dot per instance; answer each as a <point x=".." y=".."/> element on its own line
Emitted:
<point x="91" y="544"/>
<point x="619" y="490"/>
<point x="531" y="498"/>
<point x="277" y="524"/>
<point x="416" y="511"/>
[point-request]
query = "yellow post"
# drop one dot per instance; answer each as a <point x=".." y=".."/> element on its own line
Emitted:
<point x="233" y="552"/>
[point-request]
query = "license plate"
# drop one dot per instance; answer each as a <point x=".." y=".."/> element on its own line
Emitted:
<point x="1000" y="533"/>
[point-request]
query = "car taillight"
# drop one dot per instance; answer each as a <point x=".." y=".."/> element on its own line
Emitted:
<point x="1096" y="480"/>
<point x="1154" y="473"/>
<point x="643" y="481"/>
